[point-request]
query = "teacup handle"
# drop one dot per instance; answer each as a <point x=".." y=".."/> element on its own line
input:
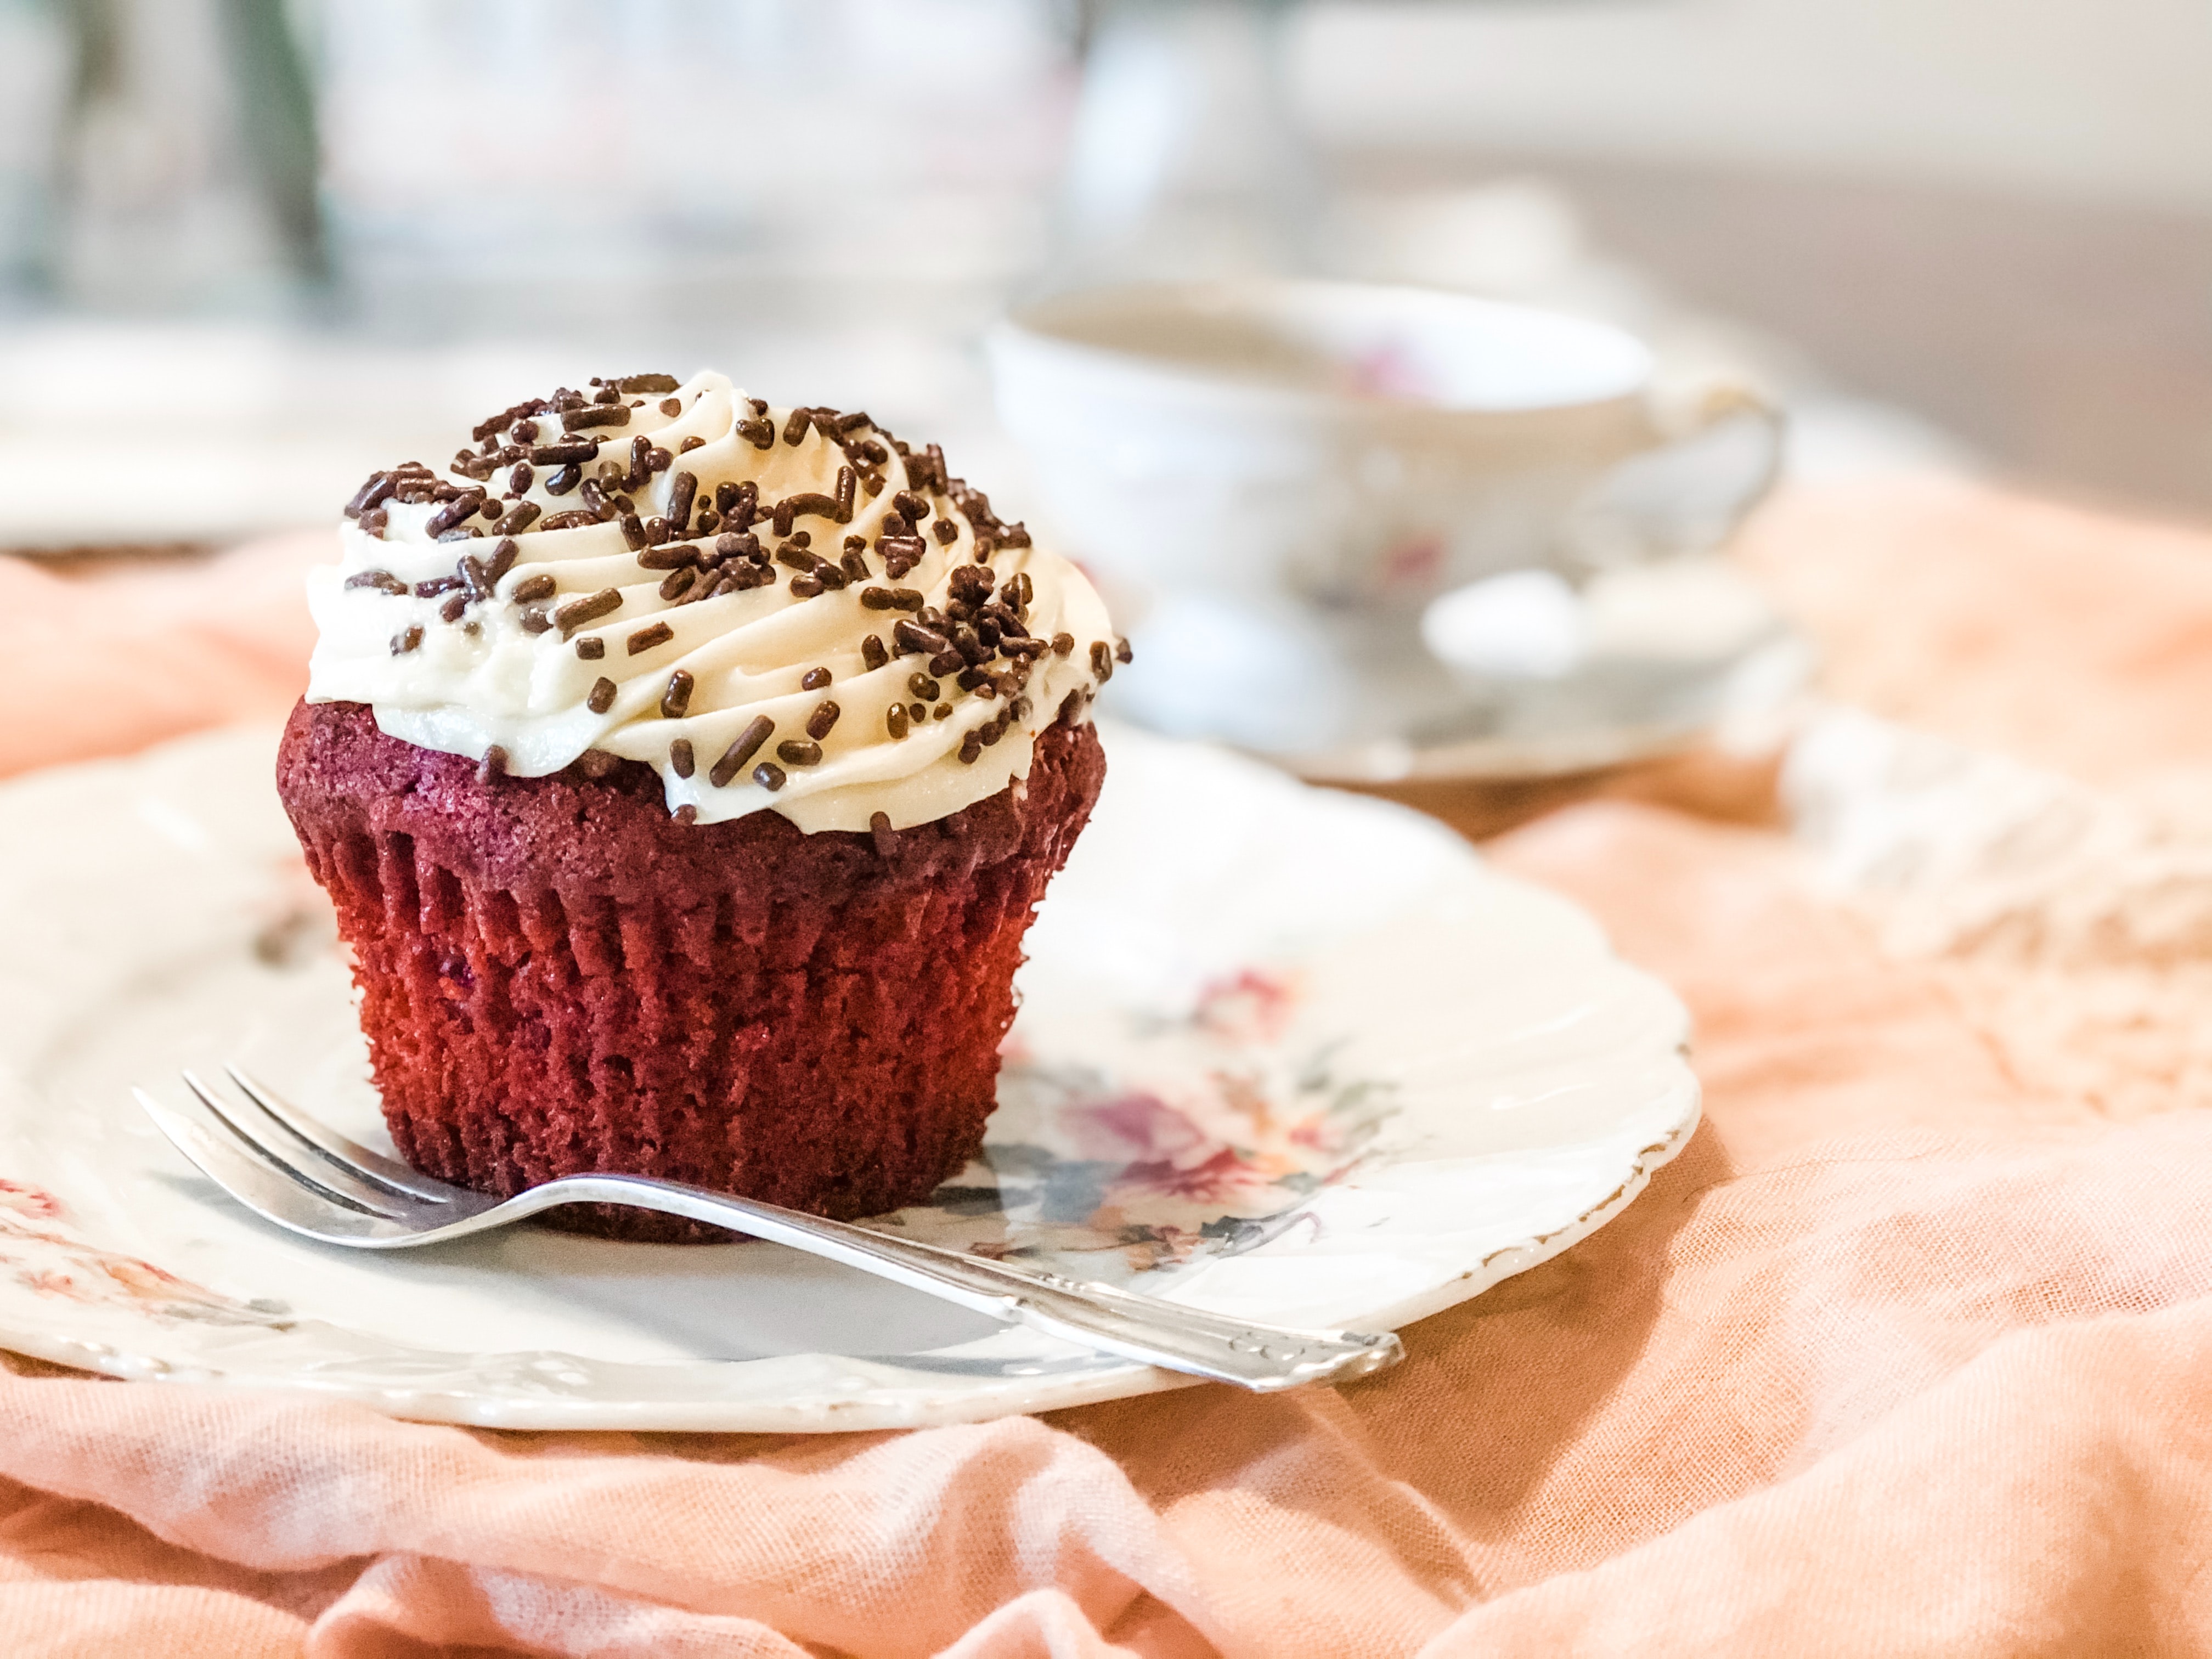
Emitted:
<point x="1605" y="526"/>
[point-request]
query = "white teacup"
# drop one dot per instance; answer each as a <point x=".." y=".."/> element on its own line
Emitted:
<point x="1273" y="480"/>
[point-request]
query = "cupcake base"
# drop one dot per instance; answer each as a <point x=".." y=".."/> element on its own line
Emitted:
<point x="558" y="978"/>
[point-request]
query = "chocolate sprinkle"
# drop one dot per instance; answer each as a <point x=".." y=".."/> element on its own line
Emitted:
<point x="590" y="608"/>
<point x="579" y="420"/>
<point x="382" y="581"/>
<point x="560" y="484"/>
<point x="503" y="561"/>
<point x="813" y="680"/>
<point x="682" y="490"/>
<point x="873" y="652"/>
<point x="646" y="638"/>
<point x="539" y="587"/>
<point x="536" y="621"/>
<point x="591" y="647"/>
<point x="404" y="642"/>
<point x="911" y="636"/>
<point x="647" y="383"/>
<point x="894" y="720"/>
<point x="738" y="504"/>
<point x="744" y="749"/>
<point x="813" y="504"/>
<point x="824" y="717"/>
<point x="769" y="775"/>
<point x="493" y="765"/>
<point x="886" y="838"/>
<point x="687" y="813"/>
<point x="603" y="696"/>
<point x="449" y="517"/>
<point x="450" y="610"/>
<point x="1062" y="644"/>
<point x="377" y="489"/>
<point x="677" y="584"/>
<point x="564" y="454"/>
<point x="676" y="700"/>
<point x="679" y="757"/>
<point x="798" y="751"/>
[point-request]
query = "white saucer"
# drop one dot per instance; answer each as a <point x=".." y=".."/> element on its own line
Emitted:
<point x="1286" y="1053"/>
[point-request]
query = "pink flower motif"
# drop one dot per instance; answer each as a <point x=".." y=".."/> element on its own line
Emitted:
<point x="29" y="1201"/>
<point x="1215" y="1180"/>
<point x="1252" y="1006"/>
<point x="1136" y="1128"/>
<point x="1417" y="562"/>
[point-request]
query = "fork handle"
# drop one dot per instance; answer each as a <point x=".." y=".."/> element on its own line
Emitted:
<point x="1262" y="1358"/>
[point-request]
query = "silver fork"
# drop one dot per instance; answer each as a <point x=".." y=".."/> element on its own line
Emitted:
<point x="287" y="1167"/>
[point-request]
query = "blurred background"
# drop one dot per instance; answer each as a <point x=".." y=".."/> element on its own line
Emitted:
<point x="249" y="249"/>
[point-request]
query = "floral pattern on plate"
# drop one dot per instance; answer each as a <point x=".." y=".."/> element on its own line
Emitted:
<point x="1217" y="1126"/>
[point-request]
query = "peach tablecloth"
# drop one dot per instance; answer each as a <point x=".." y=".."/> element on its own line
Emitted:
<point x="1910" y="1353"/>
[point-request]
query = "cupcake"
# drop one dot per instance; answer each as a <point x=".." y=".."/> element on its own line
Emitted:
<point x="685" y="773"/>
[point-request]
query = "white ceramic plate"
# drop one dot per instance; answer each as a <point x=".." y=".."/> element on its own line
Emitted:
<point x="1285" y="1053"/>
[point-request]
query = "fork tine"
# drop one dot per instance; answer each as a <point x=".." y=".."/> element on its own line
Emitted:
<point x="224" y="1159"/>
<point x="328" y="1182"/>
<point x="350" y="1155"/>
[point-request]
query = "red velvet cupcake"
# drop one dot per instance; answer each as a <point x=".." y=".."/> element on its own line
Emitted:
<point x="664" y="842"/>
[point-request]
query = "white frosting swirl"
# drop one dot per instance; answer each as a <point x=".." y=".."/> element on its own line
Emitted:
<point x="493" y="670"/>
